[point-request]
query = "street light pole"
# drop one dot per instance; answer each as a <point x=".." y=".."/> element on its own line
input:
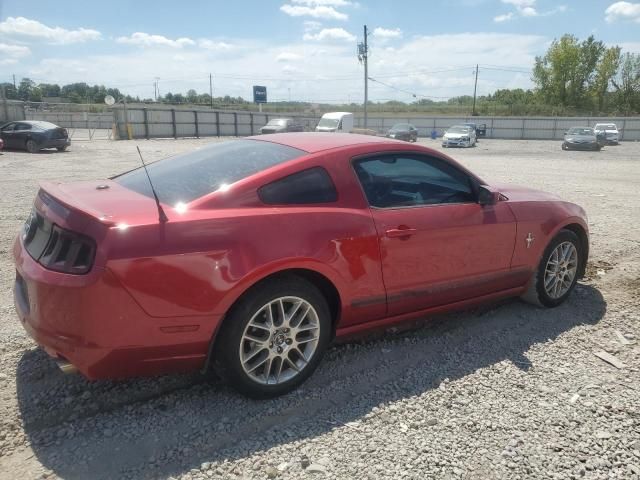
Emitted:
<point x="475" y="89"/>
<point x="366" y="76"/>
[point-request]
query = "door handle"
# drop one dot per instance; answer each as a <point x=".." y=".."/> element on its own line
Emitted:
<point x="400" y="232"/>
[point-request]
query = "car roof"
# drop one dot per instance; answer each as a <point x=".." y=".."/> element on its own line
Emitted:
<point x="313" y="142"/>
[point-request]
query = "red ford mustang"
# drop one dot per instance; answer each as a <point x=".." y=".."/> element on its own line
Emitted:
<point x="262" y="250"/>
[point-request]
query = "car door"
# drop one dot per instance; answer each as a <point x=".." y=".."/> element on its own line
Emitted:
<point x="8" y="135"/>
<point x="21" y="133"/>
<point x="438" y="245"/>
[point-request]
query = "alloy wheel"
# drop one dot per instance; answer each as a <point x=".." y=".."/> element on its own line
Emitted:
<point x="279" y="340"/>
<point x="561" y="270"/>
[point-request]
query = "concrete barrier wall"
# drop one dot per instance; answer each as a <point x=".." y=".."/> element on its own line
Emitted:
<point x="525" y="128"/>
<point x="165" y="122"/>
<point x="74" y="119"/>
<point x="154" y="122"/>
<point x="11" y="110"/>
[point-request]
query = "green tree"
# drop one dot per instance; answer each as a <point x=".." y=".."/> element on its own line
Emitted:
<point x="565" y="73"/>
<point x="24" y="89"/>
<point x="604" y="73"/>
<point x="627" y="83"/>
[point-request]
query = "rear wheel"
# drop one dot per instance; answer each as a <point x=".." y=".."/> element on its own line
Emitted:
<point x="557" y="273"/>
<point x="274" y="338"/>
<point x="32" y="146"/>
<point x="565" y="147"/>
<point x="61" y="149"/>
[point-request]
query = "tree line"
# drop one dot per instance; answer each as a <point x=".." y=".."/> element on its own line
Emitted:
<point x="572" y="77"/>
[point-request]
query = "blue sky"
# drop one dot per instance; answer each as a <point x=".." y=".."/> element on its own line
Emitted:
<point x="299" y="49"/>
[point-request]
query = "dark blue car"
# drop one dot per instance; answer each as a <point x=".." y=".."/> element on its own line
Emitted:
<point x="33" y="136"/>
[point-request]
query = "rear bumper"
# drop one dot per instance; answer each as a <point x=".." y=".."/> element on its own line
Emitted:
<point x="99" y="328"/>
<point x="55" y="143"/>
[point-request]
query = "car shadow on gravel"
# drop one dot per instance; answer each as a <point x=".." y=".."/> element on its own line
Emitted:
<point x="167" y="426"/>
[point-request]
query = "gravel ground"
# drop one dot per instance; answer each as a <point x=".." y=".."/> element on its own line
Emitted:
<point x="503" y="391"/>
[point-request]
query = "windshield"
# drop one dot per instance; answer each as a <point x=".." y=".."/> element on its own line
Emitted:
<point x="458" y="129"/>
<point x="606" y="126"/>
<point x="580" y="131"/>
<point x="328" y="122"/>
<point x="277" y="122"/>
<point x="401" y="126"/>
<point x="184" y="178"/>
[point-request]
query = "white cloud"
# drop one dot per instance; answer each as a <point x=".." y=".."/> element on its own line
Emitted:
<point x="288" y="57"/>
<point x="214" y="46"/>
<point x="14" y="51"/>
<point x="318" y="11"/>
<point x="24" y="27"/>
<point x="503" y="18"/>
<point x="249" y="63"/>
<point x="387" y="32"/>
<point x="623" y="11"/>
<point x="8" y="61"/>
<point x="330" y="34"/>
<point x="526" y="8"/>
<point x="332" y="3"/>
<point x="148" y="40"/>
<point x="311" y="25"/>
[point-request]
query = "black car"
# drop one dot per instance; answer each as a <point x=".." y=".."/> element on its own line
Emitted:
<point x="282" y="125"/>
<point x="582" y="138"/>
<point x="403" y="131"/>
<point x="34" y="135"/>
<point x="480" y="128"/>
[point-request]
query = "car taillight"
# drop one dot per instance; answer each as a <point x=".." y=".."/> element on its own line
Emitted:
<point x="68" y="252"/>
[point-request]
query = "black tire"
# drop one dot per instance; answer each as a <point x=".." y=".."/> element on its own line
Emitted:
<point x="32" y="146"/>
<point x="536" y="293"/>
<point x="564" y="146"/>
<point x="61" y="149"/>
<point x="227" y="361"/>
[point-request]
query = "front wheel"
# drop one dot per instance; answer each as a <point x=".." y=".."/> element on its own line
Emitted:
<point x="32" y="146"/>
<point x="61" y="149"/>
<point x="557" y="273"/>
<point x="274" y="338"/>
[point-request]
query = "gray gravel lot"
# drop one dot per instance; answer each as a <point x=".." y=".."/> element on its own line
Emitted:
<point x="503" y="391"/>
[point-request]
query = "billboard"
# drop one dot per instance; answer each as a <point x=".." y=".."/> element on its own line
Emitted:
<point x="259" y="94"/>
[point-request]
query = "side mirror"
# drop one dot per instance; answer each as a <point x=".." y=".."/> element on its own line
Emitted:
<point x="487" y="196"/>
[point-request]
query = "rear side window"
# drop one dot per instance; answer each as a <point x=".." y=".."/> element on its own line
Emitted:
<point x="22" y="127"/>
<point x="184" y="178"/>
<point x="306" y="187"/>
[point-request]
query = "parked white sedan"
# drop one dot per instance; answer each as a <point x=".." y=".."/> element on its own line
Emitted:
<point x="609" y="131"/>
<point x="459" y="136"/>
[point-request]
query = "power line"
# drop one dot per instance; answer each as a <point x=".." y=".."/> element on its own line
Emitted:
<point x="415" y="95"/>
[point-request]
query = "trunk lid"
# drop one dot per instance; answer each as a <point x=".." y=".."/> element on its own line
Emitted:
<point x="104" y="201"/>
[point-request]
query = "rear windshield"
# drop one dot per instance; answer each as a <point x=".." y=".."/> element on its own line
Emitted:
<point x="186" y="177"/>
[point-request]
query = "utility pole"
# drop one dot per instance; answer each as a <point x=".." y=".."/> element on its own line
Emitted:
<point x="14" y="82"/>
<point x="363" y="56"/>
<point x="211" y="89"/>
<point x="475" y="89"/>
<point x="157" y="89"/>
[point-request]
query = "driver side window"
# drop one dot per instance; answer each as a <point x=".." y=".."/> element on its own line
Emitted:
<point x="396" y="181"/>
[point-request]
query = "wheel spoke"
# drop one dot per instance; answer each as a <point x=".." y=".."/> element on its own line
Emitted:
<point x="301" y="317"/>
<point x="292" y="314"/>
<point x="251" y="336"/>
<point x="258" y="365"/>
<point x="306" y="340"/>
<point x="253" y="353"/>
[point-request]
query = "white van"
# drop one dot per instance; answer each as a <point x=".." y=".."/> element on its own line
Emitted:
<point x="336" y="122"/>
